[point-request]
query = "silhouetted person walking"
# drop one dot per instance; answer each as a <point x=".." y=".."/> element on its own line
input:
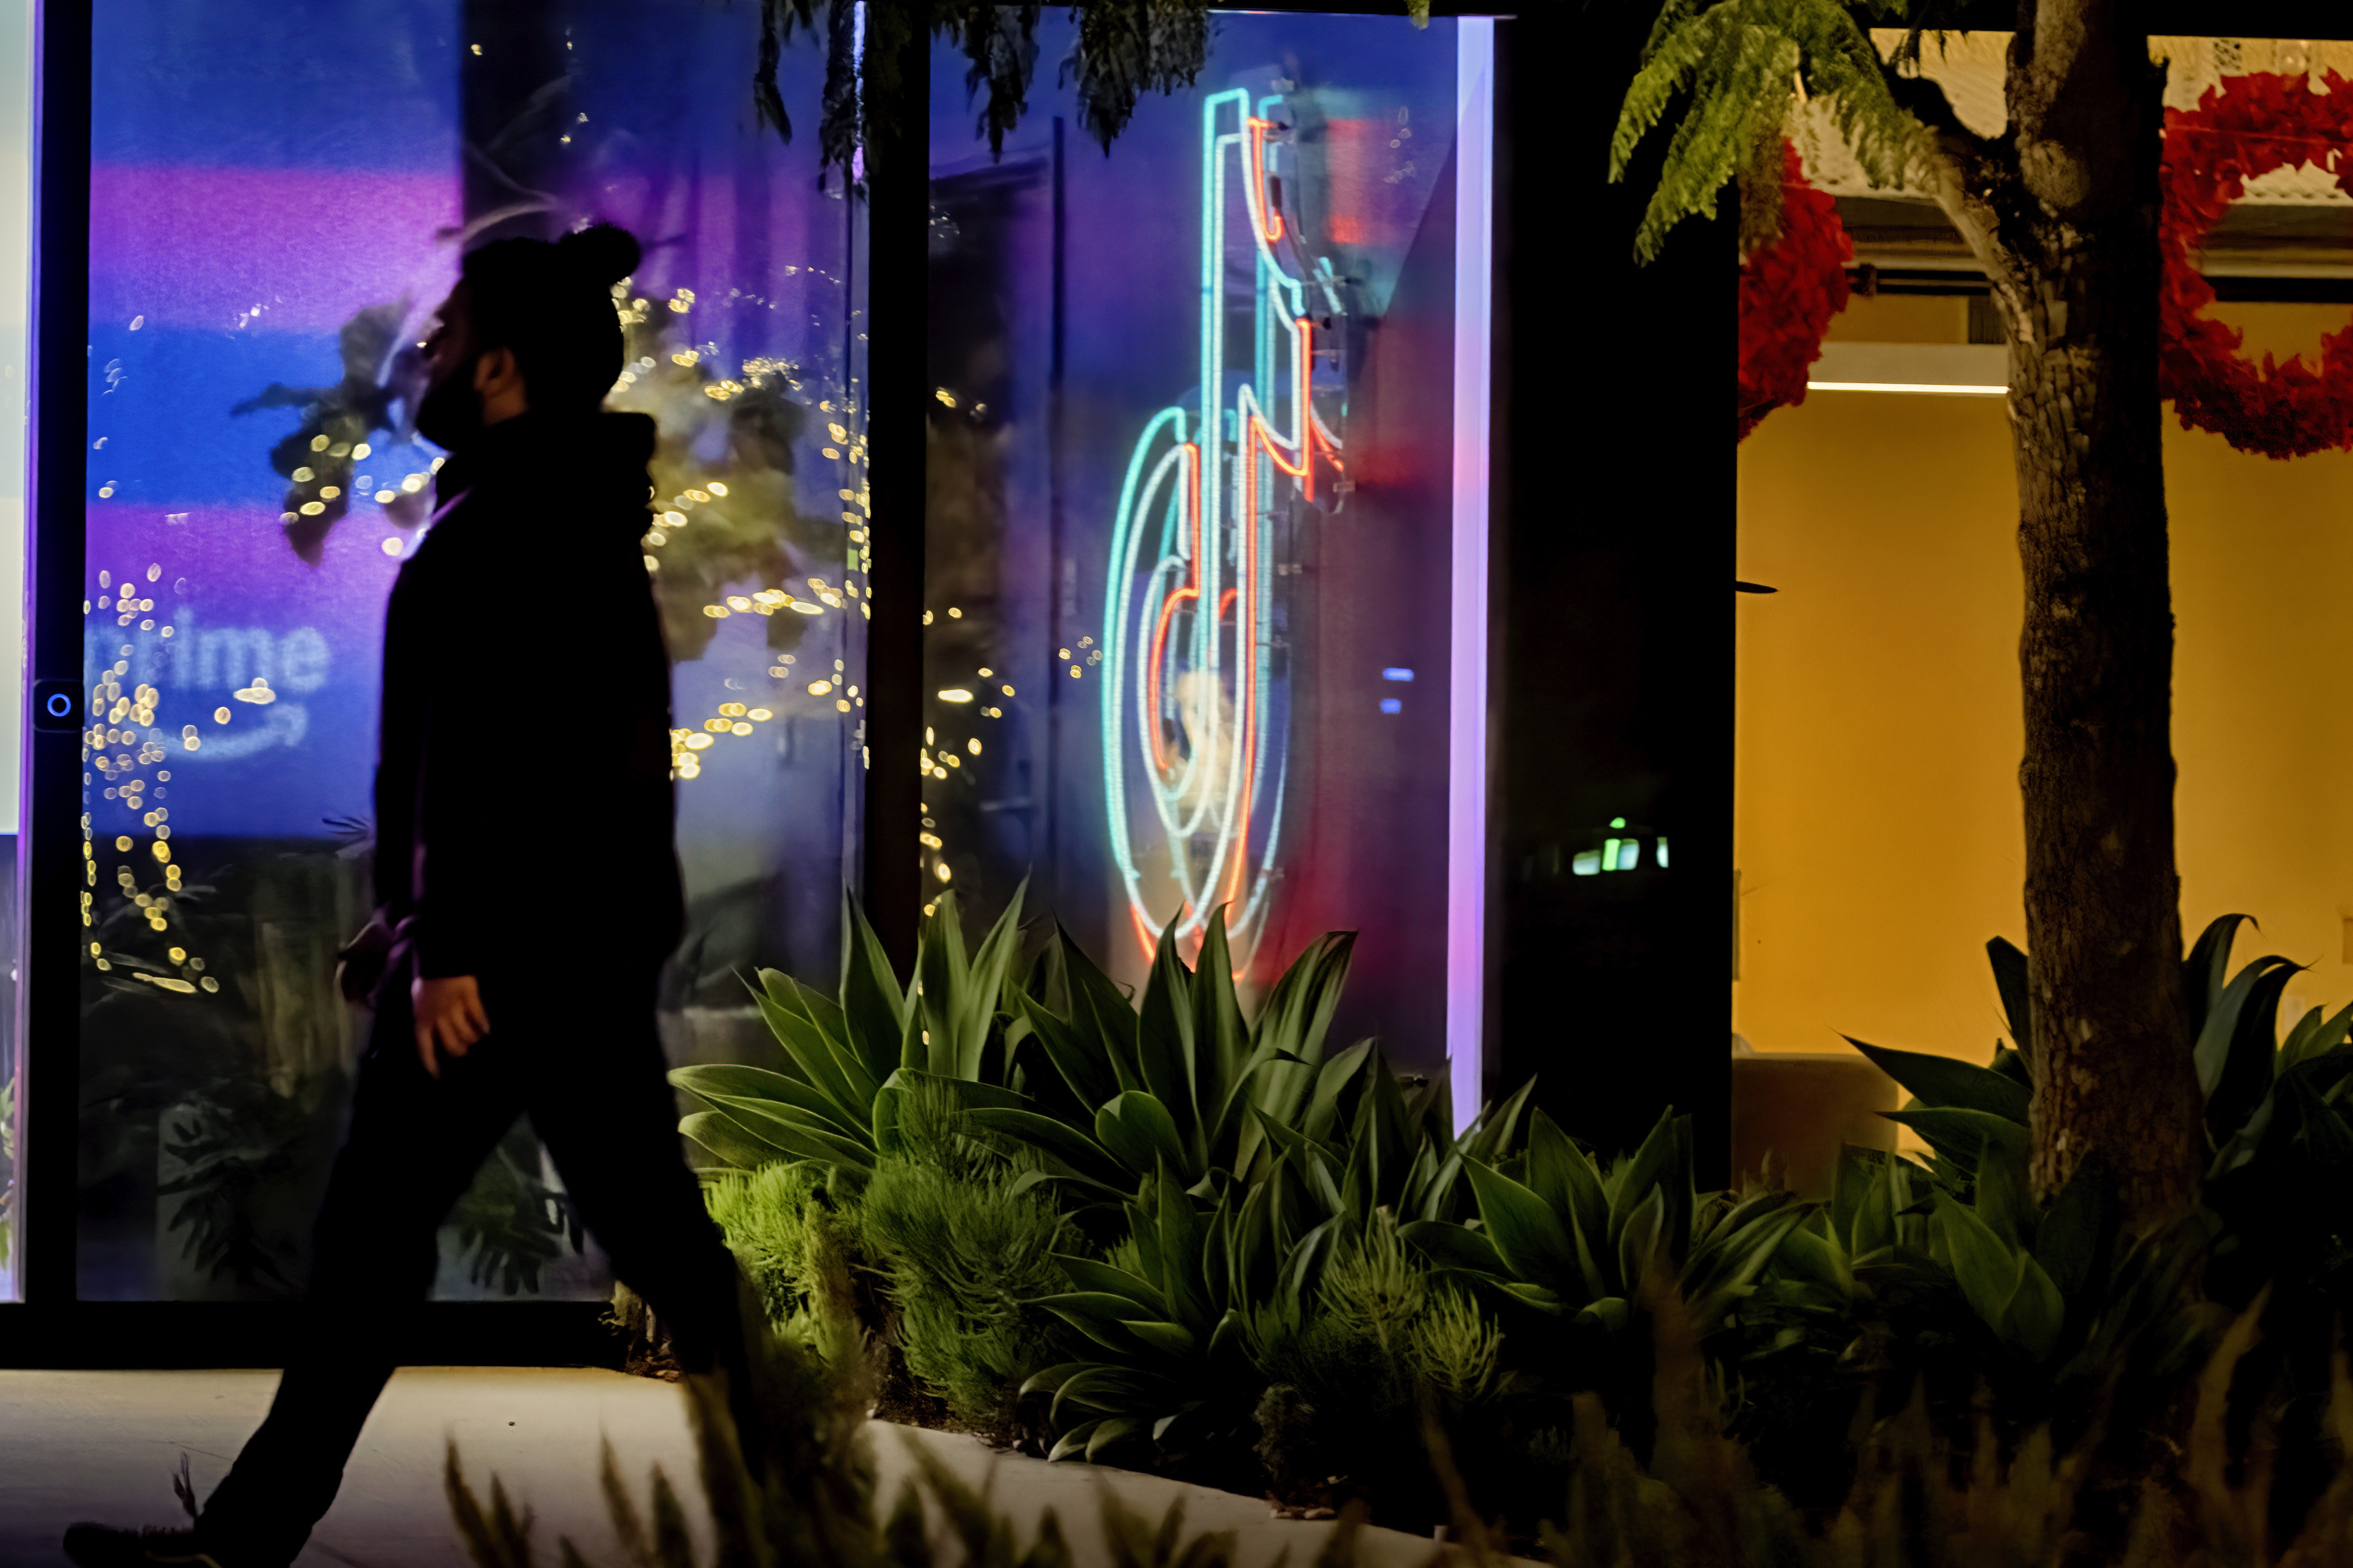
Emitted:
<point x="527" y="885"/>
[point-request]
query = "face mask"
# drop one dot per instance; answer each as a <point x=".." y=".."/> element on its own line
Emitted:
<point x="451" y="413"/>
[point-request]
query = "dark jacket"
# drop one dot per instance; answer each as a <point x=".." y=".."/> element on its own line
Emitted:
<point x="522" y="792"/>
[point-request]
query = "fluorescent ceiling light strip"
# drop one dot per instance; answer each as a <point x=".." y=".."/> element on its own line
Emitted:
<point x="1949" y="389"/>
<point x="1466" y="715"/>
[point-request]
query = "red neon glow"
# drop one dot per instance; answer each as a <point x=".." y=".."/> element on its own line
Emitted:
<point x="1191" y="480"/>
<point x="1245" y="680"/>
<point x="1242" y="598"/>
<point x="1267" y="217"/>
<point x="1310" y="434"/>
<point x="1159" y="646"/>
<point x="1302" y="426"/>
<point x="1148" y="942"/>
<point x="1302" y="416"/>
<point x="1246" y="670"/>
<point x="1263" y="438"/>
<point x="1360" y="206"/>
<point x="1245" y="636"/>
<point x="1246" y="653"/>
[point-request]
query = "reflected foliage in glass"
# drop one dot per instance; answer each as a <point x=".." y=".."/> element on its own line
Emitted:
<point x="270" y="235"/>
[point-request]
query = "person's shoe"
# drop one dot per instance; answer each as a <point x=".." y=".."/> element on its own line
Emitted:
<point x="99" y="1546"/>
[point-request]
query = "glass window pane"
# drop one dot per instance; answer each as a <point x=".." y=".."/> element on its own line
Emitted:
<point x="16" y="231"/>
<point x="1194" y="474"/>
<point x="269" y="225"/>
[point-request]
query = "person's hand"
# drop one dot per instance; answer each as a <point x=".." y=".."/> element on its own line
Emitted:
<point x="449" y="1014"/>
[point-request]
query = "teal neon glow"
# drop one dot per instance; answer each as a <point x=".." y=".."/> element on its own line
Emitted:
<point x="1191" y="727"/>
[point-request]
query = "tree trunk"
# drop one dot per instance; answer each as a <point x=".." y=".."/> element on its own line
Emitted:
<point x="2073" y="239"/>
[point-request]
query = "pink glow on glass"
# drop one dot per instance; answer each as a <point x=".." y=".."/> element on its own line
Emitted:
<point x="246" y="565"/>
<point x="1466" y="795"/>
<point x="201" y="247"/>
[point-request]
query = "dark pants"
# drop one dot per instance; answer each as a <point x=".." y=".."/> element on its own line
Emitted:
<point x="574" y="1046"/>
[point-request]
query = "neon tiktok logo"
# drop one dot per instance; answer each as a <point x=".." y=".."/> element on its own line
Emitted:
<point x="1196" y="690"/>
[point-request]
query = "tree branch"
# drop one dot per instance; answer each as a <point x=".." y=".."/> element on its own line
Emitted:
<point x="1924" y="100"/>
<point x="1962" y="168"/>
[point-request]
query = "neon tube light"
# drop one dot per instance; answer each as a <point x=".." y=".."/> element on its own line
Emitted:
<point x="1191" y="498"/>
<point x="1189" y="729"/>
<point x="1263" y="208"/>
<point x="1466" y="784"/>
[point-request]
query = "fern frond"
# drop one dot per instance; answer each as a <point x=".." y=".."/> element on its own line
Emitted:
<point x="777" y="19"/>
<point x="1127" y="47"/>
<point x="1669" y="63"/>
<point x="1000" y="50"/>
<point x="1673" y="16"/>
<point x="1736" y="64"/>
<point x="1725" y="120"/>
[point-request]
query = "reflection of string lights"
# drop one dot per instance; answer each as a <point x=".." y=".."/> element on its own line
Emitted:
<point x="939" y="763"/>
<point x="694" y="366"/>
<point x="1204" y="736"/>
<point x="121" y="719"/>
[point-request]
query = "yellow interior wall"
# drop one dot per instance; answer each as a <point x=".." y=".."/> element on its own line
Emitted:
<point x="1877" y="819"/>
<point x="1901" y="318"/>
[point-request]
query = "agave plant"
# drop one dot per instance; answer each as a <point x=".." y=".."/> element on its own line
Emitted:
<point x="1200" y="1279"/>
<point x="1178" y="1081"/>
<point x="1830" y="1299"/>
<point x="1250" y="1155"/>
<point x="1575" y="1237"/>
<point x="1387" y="1150"/>
<point x="2059" y="1287"/>
<point x="2259" y="1092"/>
<point x="2056" y="1289"/>
<point x="1169" y="1311"/>
<point x="852" y="1053"/>
<point x="2278" y="1135"/>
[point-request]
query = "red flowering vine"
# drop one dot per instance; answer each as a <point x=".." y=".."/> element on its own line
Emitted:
<point x="2247" y="127"/>
<point x="1789" y="289"/>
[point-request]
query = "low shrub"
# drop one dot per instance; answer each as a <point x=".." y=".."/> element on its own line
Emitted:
<point x="969" y="1246"/>
<point x="785" y="1238"/>
<point x="1690" y="1497"/>
<point x="1156" y="1231"/>
<point x="1387" y="1343"/>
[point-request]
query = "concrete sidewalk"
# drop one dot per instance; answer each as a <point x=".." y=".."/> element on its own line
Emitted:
<point x="104" y="1446"/>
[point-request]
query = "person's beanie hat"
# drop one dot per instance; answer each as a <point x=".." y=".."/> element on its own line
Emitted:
<point x="552" y="304"/>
